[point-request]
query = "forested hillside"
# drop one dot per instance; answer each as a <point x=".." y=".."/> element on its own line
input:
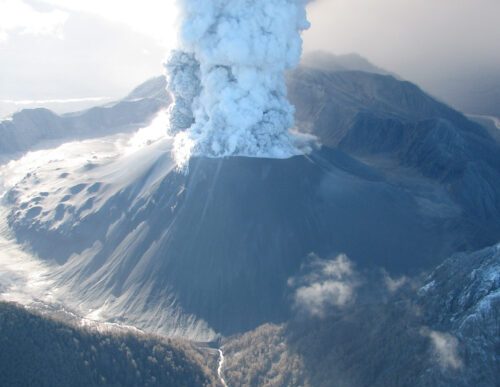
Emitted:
<point x="38" y="351"/>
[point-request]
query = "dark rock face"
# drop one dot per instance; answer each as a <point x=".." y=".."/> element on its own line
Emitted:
<point x="223" y="239"/>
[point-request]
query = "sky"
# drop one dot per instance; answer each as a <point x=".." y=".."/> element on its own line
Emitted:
<point x="97" y="50"/>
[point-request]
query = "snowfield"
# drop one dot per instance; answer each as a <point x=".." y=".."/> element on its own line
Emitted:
<point x="58" y="188"/>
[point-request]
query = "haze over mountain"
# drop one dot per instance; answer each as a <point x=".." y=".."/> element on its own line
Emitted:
<point x="458" y="63"/>
<point x="323" y="60"/>
<point x="476" y="93"/>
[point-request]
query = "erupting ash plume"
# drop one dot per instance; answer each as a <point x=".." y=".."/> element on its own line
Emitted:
<point x="227" y="77"/>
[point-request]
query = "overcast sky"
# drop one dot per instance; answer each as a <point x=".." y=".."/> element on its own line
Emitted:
<point x="57" y="49"/>
<point x="418" y="39"/>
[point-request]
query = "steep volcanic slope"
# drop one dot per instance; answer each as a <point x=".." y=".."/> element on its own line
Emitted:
<point x="213" y="249"/>
<point x="219" y="243"/>
<point x="442" y="334"/>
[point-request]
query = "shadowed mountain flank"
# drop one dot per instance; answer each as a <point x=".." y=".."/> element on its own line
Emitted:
<point x="401" y="182"/>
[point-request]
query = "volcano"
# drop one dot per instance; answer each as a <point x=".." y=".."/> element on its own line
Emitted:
<point x="210" y="249"/>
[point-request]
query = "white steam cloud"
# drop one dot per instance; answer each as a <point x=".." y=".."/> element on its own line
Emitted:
<point x="324" y="285"/>
<point x="445" y="347"/>
<point x="227" y="77"/>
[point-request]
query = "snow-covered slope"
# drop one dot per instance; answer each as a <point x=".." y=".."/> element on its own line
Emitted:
<point x="67" y="186"/>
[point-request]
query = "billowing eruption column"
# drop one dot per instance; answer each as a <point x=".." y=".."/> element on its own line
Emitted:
<point x="227" y="77"/>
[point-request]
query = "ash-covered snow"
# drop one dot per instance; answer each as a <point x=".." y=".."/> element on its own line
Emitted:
<point x="57" y="189"/>
<point x="465" y="299"/>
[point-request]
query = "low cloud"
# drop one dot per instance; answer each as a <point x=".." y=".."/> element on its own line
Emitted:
<point x="324" y="285"/>
<point x="393" y="284"/>
<point x="445" y="347"/>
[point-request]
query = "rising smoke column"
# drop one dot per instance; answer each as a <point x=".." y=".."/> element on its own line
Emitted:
<point x="227" y="76"/>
